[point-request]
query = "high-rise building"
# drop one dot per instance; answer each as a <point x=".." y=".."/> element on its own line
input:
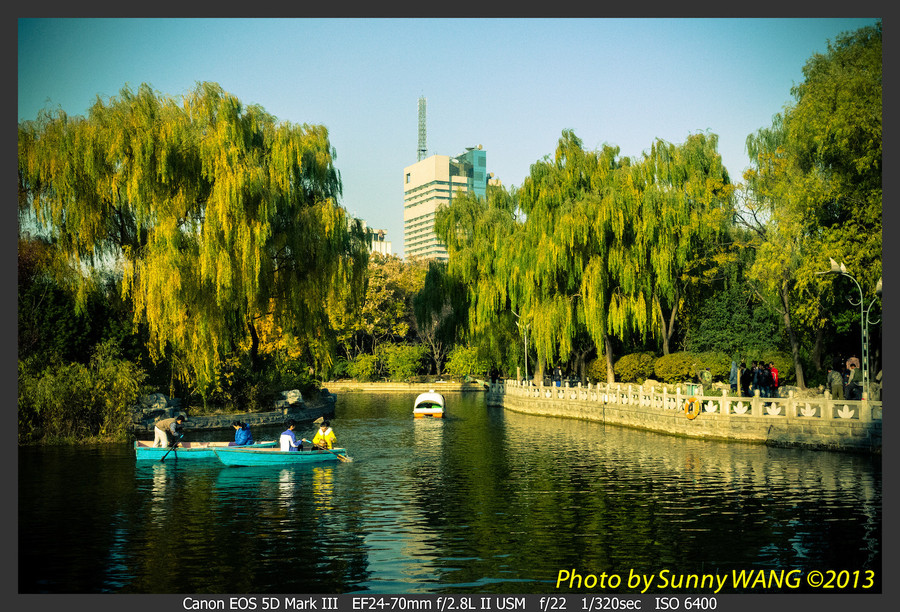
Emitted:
<point x="431" y="183"/>
<point x="377" y="239"/>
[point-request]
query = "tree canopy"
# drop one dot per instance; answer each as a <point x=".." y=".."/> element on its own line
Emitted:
<point x="602" y="242"/>
<point x="813" y="191"/>
<point x="215" y="213"/>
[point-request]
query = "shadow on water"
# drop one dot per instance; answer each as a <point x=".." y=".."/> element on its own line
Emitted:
<point x="484" y="501"/>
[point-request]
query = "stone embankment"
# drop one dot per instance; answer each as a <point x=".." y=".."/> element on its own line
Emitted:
<point x="440" y="386"/>
<point x="808" y="422"/>
<point x="292" y="406"/>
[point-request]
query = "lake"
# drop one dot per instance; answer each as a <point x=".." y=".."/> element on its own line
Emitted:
<point x="482" y="501"/>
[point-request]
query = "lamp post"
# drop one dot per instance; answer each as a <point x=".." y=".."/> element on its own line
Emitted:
<point x="864" y="317"/>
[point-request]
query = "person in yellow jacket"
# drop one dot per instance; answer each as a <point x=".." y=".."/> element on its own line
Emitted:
<point x="325" y="437"/>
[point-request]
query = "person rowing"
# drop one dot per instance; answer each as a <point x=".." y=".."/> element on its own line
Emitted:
<point x="167" y="432"/>
<point x="324" y="438"/>
<point x="289" y="438"/>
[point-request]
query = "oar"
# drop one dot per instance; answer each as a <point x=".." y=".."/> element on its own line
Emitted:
<point x="171" y="448"/>
<point x="343" y="458"/>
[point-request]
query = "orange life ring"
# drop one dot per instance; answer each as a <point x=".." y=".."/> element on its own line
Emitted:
<point x="692" y="408"/>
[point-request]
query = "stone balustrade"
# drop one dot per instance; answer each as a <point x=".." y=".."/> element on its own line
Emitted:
<point x="818" y="422"/>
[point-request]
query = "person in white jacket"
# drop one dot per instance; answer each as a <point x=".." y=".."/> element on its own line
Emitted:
<point x="289" y="439"/>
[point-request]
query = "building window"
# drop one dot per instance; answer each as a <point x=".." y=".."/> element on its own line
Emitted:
<point x="407" y="177"/>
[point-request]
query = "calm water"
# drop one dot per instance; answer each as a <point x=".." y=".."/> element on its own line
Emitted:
<point x="483" y="501"/>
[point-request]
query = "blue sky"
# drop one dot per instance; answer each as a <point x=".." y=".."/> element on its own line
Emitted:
<point x="510" y="85"/>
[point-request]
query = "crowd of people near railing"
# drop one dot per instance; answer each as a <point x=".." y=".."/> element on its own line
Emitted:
<point x="760" y="376"/>
<point x="843" y="381"/>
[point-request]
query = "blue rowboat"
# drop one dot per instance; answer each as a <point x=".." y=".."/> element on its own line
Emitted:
<point x="244" y="456"/>
<point x="145" y="451"/>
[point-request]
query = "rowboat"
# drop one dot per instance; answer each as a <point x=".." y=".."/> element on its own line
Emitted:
<point x="429" y="404"/>
<point x="145" y="451"/>
<point x="245" y="456"/>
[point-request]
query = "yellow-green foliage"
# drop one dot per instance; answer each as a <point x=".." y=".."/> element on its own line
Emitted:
<point x="464" y="361"/>
<point x="783" y="361"/>
<point x="74" y="401"/>
<point x="401" y="361"/>
<point x="719" y="364"/>
<point x="216" y="214"/>
<point x="595" y="370"/>
<point x="675" y="367"/>
<point x="635" y="367"/>
<point x="597" y="243"/>
<point x="363" y="368"/>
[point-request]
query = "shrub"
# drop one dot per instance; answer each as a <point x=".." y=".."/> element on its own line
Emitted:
<point x="464" y="361"/>
<point x="402" y="361"/>
<point x="787" y="375"/>
<point x="363" y="368"/>
<point x="675" y="367"/>
<point x="636" y="367"/>
<point x="719" y="364"/>
<point x="595" y="370"/>
<point x="74" y="401"/>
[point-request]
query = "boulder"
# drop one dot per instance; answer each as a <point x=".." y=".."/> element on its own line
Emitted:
<point x="292" y="397"/>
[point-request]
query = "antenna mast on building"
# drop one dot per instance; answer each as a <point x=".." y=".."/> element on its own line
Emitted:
<point x="422" y="150"/>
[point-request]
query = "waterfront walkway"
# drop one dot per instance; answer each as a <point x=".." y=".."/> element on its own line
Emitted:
<point x="817" y="423"/>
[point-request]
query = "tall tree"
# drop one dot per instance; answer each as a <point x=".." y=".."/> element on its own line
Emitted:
<point x="386" y="311"/>
<point x="215" y="213"/>
<point x="814" y="188"/>
<point x="686" y="208"/>
<point x="469" y="295"/>
<point x="603" y="244"/>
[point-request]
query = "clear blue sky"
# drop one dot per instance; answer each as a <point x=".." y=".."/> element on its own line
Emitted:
<point x="511" y="85"/>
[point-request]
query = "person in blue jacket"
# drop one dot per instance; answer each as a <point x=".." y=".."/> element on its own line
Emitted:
<point x="242" y="435"/>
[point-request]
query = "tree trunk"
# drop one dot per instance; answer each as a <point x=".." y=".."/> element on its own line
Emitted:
<point x="795" y="345"/>
<point x="580" y="359"/>
<point x="538" y="373"/>
<point x="254" y="345"/>
<point x="668" y="329"/>
<point x="608" y="351"/>
<point x="817" y="348"/>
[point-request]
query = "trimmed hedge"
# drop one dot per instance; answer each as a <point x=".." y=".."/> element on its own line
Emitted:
<point x="636" y="367"/>
<point x="675" y="367"/>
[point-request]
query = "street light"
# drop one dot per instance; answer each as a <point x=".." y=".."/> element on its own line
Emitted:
<point x="864" y="317"/>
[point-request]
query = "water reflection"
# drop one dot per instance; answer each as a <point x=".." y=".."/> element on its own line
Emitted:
<point x="484" y="500"/>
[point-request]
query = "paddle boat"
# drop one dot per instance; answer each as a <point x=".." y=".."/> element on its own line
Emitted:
<point x="247" y="456"/>
<point x="145" y="451"/>
<point x="429" y="404"/>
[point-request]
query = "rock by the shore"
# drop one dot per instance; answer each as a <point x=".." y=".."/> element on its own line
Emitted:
<point x="153" y="407"/>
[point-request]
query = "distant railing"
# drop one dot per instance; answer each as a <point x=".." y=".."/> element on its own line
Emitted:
<point x="791" y="407"/>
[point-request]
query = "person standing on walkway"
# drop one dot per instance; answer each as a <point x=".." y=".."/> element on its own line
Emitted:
<point x="854" y="384"/>
<point x="706" y="381"/>
<point x="774" y="372"/>
<point x="733" y="376"/>
<point x="835" y="383"/>
<point x="746" y="379"/>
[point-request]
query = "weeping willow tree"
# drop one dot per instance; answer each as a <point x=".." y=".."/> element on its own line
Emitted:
<point x="602" y="249"/>
<point x="685" y="211"/>
<point x="216" y="214"/>
<point x="578" y="271"/>
<point x="467" y="298"/>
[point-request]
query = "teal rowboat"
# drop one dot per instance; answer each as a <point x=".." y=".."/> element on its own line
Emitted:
<point x="145" y="451"/>
<point x="245" y="456"/>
